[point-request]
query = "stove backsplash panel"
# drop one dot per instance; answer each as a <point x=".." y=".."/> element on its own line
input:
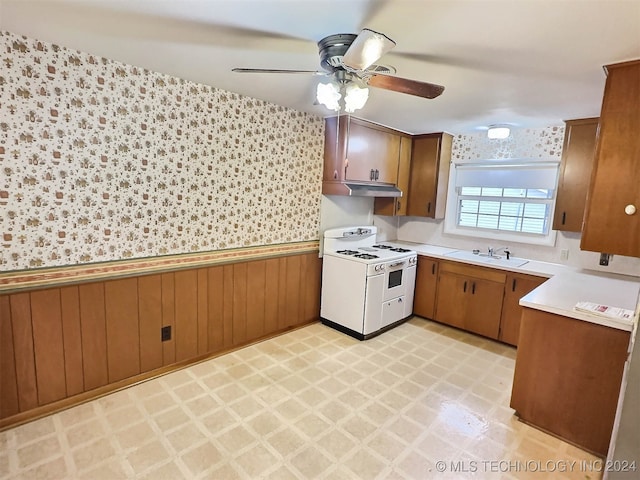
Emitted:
<point x="100" y="161"/>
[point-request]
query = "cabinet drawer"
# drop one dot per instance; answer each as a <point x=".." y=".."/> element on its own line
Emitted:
<point x="473" y="271"/>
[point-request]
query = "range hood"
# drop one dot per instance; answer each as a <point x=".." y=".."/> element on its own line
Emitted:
<point x="355" y="189"/>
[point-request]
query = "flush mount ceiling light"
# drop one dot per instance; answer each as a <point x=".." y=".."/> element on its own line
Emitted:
<point x="498" y="132"/>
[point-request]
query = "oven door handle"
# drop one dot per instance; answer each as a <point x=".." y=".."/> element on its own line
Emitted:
<point x="398" y="264"/>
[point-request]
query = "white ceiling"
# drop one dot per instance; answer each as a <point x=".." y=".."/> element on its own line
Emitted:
<point x="529" y="63"/>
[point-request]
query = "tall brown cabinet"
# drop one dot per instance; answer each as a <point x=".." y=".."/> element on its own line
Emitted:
<point x="612" y="217"/>
<point x="578" y="153"/>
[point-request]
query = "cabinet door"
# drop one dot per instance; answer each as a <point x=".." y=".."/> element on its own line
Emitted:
<point x="612" y="218"/>
<point x="567" y="371"/>
<point x="516" y="287"/>
<point x="424" y="301"/>
<point x="397" y="206"/>
<point x="578" y="153"/>
<point x="451" y="299"/>
<point x="483" y="307"/>
<point x="430" y="158"/>
<point x="470" y="298"/>
<point x="368" y="149"/>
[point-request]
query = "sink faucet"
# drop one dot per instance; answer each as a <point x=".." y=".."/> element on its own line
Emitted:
<point x="493" y="251"/>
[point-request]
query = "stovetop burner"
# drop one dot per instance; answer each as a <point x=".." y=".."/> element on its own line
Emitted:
<point x="384" y="247"/>
<point x="400" y="250"/>
<point x="347" y="252"/>
<point x="366" y="256"/>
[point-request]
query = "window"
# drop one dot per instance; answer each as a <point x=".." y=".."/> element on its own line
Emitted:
<point x="510" y="209"/>
<point x="503" y="200"/>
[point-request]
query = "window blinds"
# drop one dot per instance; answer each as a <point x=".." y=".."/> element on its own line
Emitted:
<point x="541" y="175"/>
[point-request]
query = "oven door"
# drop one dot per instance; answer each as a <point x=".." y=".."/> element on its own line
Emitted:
<point x="395" y="279"/>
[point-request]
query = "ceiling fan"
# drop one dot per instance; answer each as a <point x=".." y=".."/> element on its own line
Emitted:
<point x="349" y="61"/>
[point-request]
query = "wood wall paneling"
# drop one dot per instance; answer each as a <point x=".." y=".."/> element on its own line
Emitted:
<point x="59" y="342"/>
<point x="239" y="300"/>
<point x="72" y="335"/>
<point x="215" y="321"/>
<point x="203" y="311"/>
<point x="292" y="291"/>
<point x="48" y="345"/>
<point x="123" y="334"/>
<point x="8" y="382"/>
<point x="94" y="335"/>
<point x="186" y="314"/>
<point x="227" y="305"/>
<point x="271" y="296"/>
<point x="168" y="318"/>
<point x="23" y="348"/>
<point x="256" y="286"/>
<point x="282" y="293"/>
<point x="150" y="321"/>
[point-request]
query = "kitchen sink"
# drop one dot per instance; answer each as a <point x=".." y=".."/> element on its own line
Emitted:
<point x="497" y="260"/>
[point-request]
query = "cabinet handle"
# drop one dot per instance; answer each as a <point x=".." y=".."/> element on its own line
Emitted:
<point x="513" y="285"/>
<point x="433" y="269"/>
<point x="429" y="207"/>
<point x="473" y="288"/>
<point x="371" y="174"/>
<point x="464" y="288"/>
<point x="377" y="175"/>
<point x="630" y="209"/>
<point x="564" y="217"/>
<point x="399" y="205"/>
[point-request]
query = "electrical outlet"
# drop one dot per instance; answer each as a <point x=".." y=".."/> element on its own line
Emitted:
<point x="564" y="254"/>
<point x="604" y="259"/>
<point x="165" y="333"/>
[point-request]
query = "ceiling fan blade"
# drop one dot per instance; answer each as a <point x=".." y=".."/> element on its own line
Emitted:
<point x="405" y="85"/>
<point x="115" y="19"/>
<point x="275" y="70"/>
<point x="366" y="49"/>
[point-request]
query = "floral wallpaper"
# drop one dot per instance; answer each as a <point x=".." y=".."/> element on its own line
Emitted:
<point x="540" y="143"/>
<point x="103" y="161"/>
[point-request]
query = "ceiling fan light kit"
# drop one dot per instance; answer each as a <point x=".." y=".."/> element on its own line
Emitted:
<point x="349" y="60"/>
<point x="498" y="132"/>
<point x="328" y="94"/>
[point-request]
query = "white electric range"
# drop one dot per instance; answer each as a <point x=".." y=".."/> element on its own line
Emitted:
<point x="367" y="287"/>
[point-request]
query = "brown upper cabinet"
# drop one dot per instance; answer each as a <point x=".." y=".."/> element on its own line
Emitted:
<point x="397" y="205"/>
<point x="578" y="154"/>
<point x="430" y="162"/>
<point x="427" y="176"/>
<point x="358" y="151"/>
<point x="612" y="219"/>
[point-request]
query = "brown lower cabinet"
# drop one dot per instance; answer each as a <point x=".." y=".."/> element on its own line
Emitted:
<point x="470" y="298"/>
<point x="424" y="299"/>
<point x="71" y="342"/>
<point x="516" y="286"/>
<point x="478" y="299"/>
<point x="567" y="377"/>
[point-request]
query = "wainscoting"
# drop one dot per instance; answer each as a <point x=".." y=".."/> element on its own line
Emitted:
<point x="63" y="344"/>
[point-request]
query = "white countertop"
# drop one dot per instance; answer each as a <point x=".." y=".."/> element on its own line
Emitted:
<point x="560" y="294"/>
<point x="566" y="287"/>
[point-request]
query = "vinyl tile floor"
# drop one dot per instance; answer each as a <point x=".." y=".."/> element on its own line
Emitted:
<point x="420" y="401"/>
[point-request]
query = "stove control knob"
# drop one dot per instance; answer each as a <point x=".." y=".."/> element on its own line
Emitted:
<point x="379" y="268"/>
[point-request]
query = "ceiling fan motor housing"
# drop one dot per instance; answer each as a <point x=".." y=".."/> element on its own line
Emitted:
<point x="333" y="48"/>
